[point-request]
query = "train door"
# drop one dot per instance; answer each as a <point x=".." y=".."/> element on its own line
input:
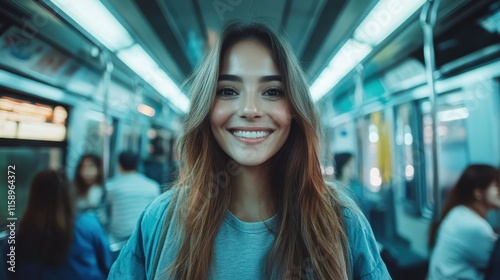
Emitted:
<point x="157" y="163"/>
<point x="409" y="177"/>
<point x="410" y="165"/>
<point x="375" y="172"/>
<point x="412" y="178"/>
<point x="452" y="140"/>
<point x="95" y="130"/>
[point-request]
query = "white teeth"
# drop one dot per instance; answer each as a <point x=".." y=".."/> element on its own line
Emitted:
<point x="250" y="134"/>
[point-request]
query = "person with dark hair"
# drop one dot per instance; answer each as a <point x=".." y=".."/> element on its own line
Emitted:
<point x="250" y="201"/>
<point x="88" y="183"/>
<point x="345" y="174"/>
<point x="344" y="166"/>
<point x="55" y="243"/>
<point x="127" y="196"/>
<point x="462" y="240"/>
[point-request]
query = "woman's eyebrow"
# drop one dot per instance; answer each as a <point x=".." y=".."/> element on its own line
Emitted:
<point x="270" y="78"/>
<point x="263" y="79"/>
<point x="227" y="77"/>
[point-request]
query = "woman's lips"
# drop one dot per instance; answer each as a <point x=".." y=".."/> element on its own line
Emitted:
<point x="251" y="136"/>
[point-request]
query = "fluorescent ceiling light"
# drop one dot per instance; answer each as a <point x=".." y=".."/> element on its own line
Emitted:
<point x="141" y="63"/>
<point x="382" y="20"/>
<point x="453" y="114"/>
<point x="345" y="60"/>
<point x="146" y="110"/>
<point x="95" y="18"/>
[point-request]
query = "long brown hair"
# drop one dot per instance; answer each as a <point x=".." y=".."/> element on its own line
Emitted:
<point x="310" y="237"/>
<point x="46" y="229"/>
<point x="476" y="176"/>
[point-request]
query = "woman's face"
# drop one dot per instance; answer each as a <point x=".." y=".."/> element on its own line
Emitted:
<point x="89" y="171"/>
<point x="492" y="196"/>
<point x="250" y="118"/>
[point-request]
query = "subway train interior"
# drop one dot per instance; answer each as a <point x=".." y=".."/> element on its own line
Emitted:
<point x="409" y="88"/>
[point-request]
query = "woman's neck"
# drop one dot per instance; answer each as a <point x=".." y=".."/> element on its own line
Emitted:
<point x="479" y="208"/>
<point x="252" y="198"/>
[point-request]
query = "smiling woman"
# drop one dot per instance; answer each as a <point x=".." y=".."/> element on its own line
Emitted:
<point x="250" y="118"/>
<point x="250" y="201"/>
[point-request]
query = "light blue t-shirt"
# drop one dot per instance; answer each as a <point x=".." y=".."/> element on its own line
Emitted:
<point x="240" y="248"/>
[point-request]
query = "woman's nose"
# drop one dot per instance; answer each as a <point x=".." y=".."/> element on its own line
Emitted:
<point x="250" y="106"/>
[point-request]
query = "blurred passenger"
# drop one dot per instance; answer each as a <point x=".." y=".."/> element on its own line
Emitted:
<point x="345" y="173"/>
<point x="250" y="201"/>
<point x="53" y="242"/>
<point x="127" y="196"/>
<point x="462" y="239"/>
<point x="88" y="183"/>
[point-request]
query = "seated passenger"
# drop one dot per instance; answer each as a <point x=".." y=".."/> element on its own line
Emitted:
<point x="88" y="183"/>
<point x="463" y="240"/>
<point x="127" y="196"/>
<point x="53" y="242"/>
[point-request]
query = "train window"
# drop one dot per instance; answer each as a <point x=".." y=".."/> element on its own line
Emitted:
<point x="131" y="138"/>
<point x="376" y="154"/>
<point x="23" y="119"/>
<point x="95" y="132"/>
<point x="343" y="140"/>
<point x="27" y="161"/>
<point x="94" y="138"/>
<point x="32" y="138"/>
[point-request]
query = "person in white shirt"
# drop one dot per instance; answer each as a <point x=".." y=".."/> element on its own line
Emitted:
<point x="127" y="196"/>
<point x="462" y="240"/>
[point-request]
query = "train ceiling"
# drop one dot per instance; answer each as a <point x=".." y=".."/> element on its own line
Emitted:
<point x="184" y="28"/>
<point x="176" y="33"/>
<point x="180" y="30"/>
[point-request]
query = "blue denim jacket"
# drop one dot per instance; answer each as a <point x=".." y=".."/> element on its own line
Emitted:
<point x="137" y="257"/>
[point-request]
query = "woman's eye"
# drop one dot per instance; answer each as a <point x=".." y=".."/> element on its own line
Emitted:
<point x="227" y="92"/>
<point x="273" y="92"/>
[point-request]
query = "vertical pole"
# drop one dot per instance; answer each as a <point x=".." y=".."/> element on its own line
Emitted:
<point x="106" y="60"/>
<point x="136" y="100"/>
<point x="358" y="103"/>
<point x="428" y="20"/>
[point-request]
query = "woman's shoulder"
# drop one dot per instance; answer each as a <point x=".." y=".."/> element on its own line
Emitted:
<point x="466" y="221"/>
<point x="136" y="257"/>
<point x="366" y="262"/>
<point x="160" y="204"/>
<point x="353" y="217"/>
<point x="154" y="215"/>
